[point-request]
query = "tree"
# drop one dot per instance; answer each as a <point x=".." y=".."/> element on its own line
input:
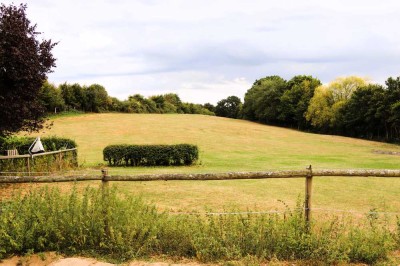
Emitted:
<point x="97" y="99"/>
<point x="74" y="96"/>
<point x="24" y="64"/>
<point x="230" y="107"/>
<point x="68" y="95"/>
<point x="325" y="107"/>
<point x="132" y="105"/>
<point x="148" y="105"/>
<point x="175" y="101"/>
<point x="295" y="100"/>
<point x="79" y="96"/>
<point x="168" y="103"/>
<point x="192" y="108"/>
<point x="392" y="101"/>
<point x="262" y="100"/>
<point x="210" y="107"/>
<point x="319" y="111"/>
<point x="116" y="105"/>
<point x="362" y="114"/>
<point x="51" y="98"/>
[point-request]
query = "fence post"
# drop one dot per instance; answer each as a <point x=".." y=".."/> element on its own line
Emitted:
<point x="60" y="156"/>
<point x="104" y="174"/>
<point x="106" y="213"/>
<point x="307" y="202"/>
<point x="29" y="166"/>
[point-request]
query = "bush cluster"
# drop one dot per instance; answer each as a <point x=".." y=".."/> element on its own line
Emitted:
<point x="22" y="144"/>
<point x="150" y="155"/>
<point x="100" y="222"/>
<point x="45" y="163"/>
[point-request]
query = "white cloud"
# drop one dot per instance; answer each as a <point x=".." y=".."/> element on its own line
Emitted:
<point x="202" y="49"/>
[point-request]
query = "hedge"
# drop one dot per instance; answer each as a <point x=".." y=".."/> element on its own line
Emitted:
<point x="150" y="155"/>
<point x="45" y="163"/>
<point x="22" y="144"/>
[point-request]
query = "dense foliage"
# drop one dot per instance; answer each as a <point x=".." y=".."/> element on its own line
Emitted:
<point x="273" y="100"/>
<point x="348" y="106"/>
<point x="230" y="107"/>
<point x="45" y="163"/>
<point x="22" y="144"/>
<point x="150" y="155"/>
<point x="94" y="98"/>
<point x="24" y="64"/>
<point x="101" y="223"/>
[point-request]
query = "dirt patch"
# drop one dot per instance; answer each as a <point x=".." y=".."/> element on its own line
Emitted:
<point x="386" y="152"/>
<point x="32" y="260"/>
<point x="52" y="259"/>
<point x="79" y="262"/>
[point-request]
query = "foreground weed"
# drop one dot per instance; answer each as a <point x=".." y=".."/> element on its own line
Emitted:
<point x="105" y="223"/>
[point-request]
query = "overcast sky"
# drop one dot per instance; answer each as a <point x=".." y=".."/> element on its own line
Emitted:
<point x="207" y="50"/>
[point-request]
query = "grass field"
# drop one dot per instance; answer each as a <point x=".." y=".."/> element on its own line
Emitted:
<point x="237" y="145"/>
<point x="225" y="144"/>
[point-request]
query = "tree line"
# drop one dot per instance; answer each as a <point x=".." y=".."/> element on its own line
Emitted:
<point x="94" y="98"/>
<point x="349" y="106"/>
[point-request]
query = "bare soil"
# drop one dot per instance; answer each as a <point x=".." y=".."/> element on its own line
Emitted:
<point x="53" y="259"/>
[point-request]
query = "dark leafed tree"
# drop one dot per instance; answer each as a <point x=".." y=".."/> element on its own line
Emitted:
<point x="262" y="101"/>
<point x="366" y="113"/>
<point x="96" y="98"/>
<point x="229" y="107"/>
<point x="24" y="64"/>
<point x="295" y="100"/>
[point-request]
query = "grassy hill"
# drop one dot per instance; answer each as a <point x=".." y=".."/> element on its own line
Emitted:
<point x="236" y="145"/>
<point x="225" y="144"/>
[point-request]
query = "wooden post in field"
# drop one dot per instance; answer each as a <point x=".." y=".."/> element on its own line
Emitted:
<point x="105" y="191"/>
<point x="104" y="174"/>
<point x="60" y="160"/>
<point x="307" y="202"/>
<point x="29" y="166"/>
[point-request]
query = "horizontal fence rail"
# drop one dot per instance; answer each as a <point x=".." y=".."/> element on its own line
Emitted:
<point x="256" y="175"/>
<point x="46" y="179"/>
<point x="204" y="176"/>
<point x="308" y="174"/>
<point x="35" y="155"/>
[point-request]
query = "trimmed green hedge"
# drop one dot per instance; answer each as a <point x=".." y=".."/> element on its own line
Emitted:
<point x="150" y="155"/>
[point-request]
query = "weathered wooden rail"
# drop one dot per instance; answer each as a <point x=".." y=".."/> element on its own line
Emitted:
<point x="307" y="173"/>
<point x="36" y="154"/>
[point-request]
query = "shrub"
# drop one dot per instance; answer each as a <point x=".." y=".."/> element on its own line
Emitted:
<point x="150" y="155"/>
<point x="45" y="163"/>
<point x="22" y="144"/>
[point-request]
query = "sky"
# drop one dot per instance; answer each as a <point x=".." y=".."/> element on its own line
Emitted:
<point x="207" y="50"/>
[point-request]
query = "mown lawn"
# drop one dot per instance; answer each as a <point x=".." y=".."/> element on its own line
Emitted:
<point x="236" y="145"/>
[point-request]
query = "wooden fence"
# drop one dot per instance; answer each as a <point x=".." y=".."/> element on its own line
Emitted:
<point x="30" y="157"/>
<point x="308" y="174"/>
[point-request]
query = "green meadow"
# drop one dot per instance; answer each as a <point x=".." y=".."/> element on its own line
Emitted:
<point x="228" y="145"/>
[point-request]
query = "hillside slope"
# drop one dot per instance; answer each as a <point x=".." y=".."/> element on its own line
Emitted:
<point x="225" y="144"/>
